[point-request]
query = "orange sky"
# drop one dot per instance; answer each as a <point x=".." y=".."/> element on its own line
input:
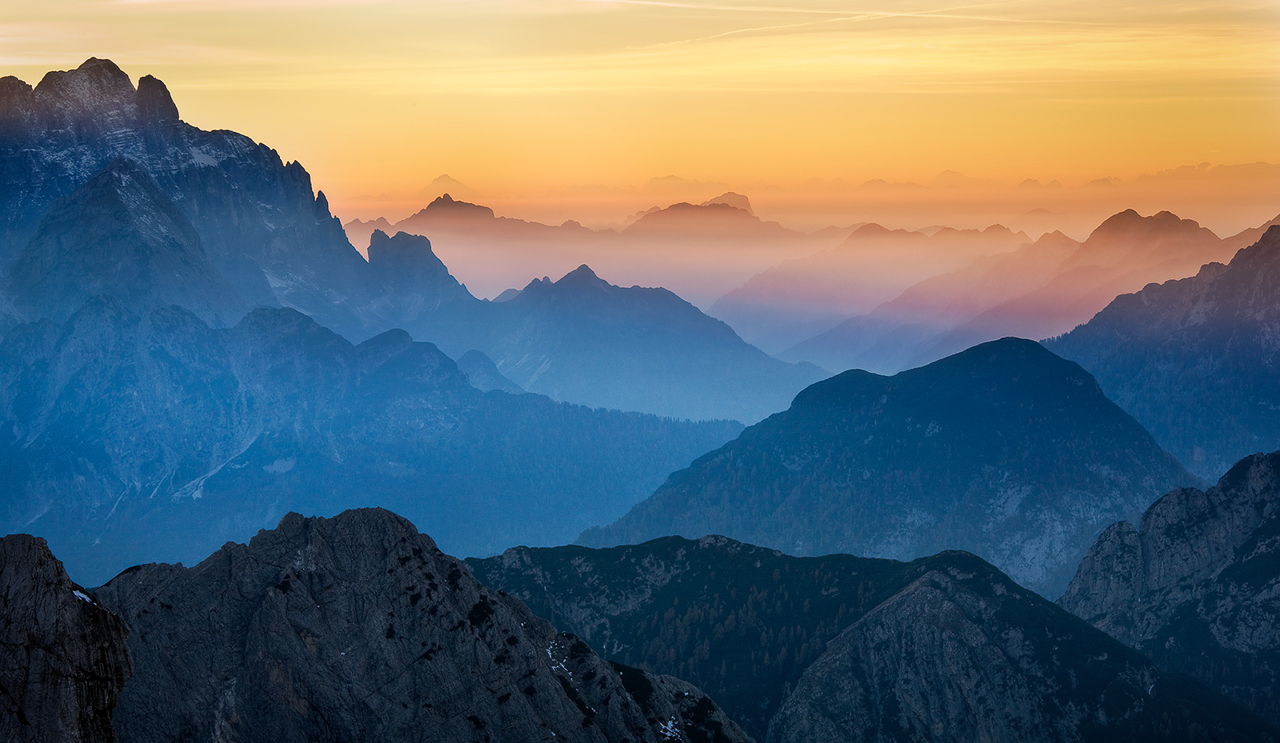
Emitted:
<point x="548" y="105"/>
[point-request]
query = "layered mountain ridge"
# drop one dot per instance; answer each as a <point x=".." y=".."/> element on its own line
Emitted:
<point x="1005" y="450"/>
<point x="128" y="439"/>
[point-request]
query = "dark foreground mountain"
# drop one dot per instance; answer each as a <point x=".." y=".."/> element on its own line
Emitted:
<point x="63" y="659"/>
<point x="1196" y="585"/>
<point x="358" y="628"/>
<point x="762" y="632"/>
<point x="128" y="439"/>
<point x="1197" y="361"/>
<point x="1004" y="450"/>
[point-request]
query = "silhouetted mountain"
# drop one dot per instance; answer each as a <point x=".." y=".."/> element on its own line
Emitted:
<point x="256" y="217"/>
<point x="63" y="659"/>
<point x="1004" y="450"/>
<point x="584" y="339"/>
<point x="1124" y="254"/>
<point x="119" y="235"/>
<point x="1195" y="360"/>
<point x="800" y="298"/>
<point x="359" y="628"/>
<point x="1195" y="585"/>
<point x="128" y="439"/>
<point x="721" y="218"/>
<point x="748" y="625"/>
<point x="899" y="333"/>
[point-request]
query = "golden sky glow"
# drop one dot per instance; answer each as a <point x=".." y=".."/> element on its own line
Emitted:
<point x="522" y="98"/>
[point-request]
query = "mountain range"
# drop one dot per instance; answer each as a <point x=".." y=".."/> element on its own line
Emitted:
<point x="109" y="192"/>
<point x="1005" y="450"/>
<point x="699" y="250"/>
<point x="839" y="648"/>
<point x="799" y="298"/>
<point x="131" y="438"/>
<point x="1196" y="360"/>
<point x="1037" y="291"/>
<point x="358" y="628"/>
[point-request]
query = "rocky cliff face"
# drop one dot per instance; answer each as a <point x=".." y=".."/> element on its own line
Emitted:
<point x="1004" y="450"/>
<point x="118" y="234"/>
<point x="261" y="225"/>
<point x="1197" y="361"/>
<point x="964" y="654"/>
<point x="63" y="657"/>
<point x="358" y="628"/>
<point x="1195" y="585"/>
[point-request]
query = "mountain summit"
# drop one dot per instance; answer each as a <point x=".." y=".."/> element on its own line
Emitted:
<point x="1005" y="450"/>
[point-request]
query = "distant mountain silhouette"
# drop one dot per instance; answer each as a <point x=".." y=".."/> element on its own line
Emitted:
<point x="1124" y="254"/>
<point x="896" y="334"/>
<point x="1195" y="360"/>
<point x="1004" y="450"/>
<point x="583" y="339"/>
<point x="800" y="298"/>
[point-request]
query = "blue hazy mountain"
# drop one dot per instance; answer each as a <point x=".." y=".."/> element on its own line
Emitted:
<point x="583" y="339"/>
<point x="1005" y="450"/>
<point x="104" y="190"/>
<point x="1195" y="360"/>
<point x="131" y="438"/>
<point x="840" y="648"/>
<point x="1194" y="583"/>
<point x="257" y="219"/>
<point x="118" y="234"/>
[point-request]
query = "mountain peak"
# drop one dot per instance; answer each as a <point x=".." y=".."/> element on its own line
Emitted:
<point x="730" y="198"/>
<point x="581" y="276"/>
<point x="446" y="205"/>
<point x="155" y="104"/>
<point x="96" y="91"/>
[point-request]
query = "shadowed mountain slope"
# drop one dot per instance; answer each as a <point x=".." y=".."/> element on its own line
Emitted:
<point x="1197" y="360"/>
<point x="1004" y="450"/>
<point x="359" y="628"/>
<point x="748" y="625"/>
<point x="1194" y="585"/>
<point x="127" y="439"/>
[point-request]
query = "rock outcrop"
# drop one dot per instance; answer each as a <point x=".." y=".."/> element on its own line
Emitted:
<point x="1005" y="450"/>
<point x="1196" y="585"/>
<point x="964" y="654"/>
<point x="63" y="657"/>
<point x="358" y="628"/>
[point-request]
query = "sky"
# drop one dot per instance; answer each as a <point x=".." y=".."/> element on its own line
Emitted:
<point x="550" y="106"/>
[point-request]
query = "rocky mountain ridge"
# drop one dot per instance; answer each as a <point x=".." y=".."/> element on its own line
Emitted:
<point x="1194" y="584"/>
